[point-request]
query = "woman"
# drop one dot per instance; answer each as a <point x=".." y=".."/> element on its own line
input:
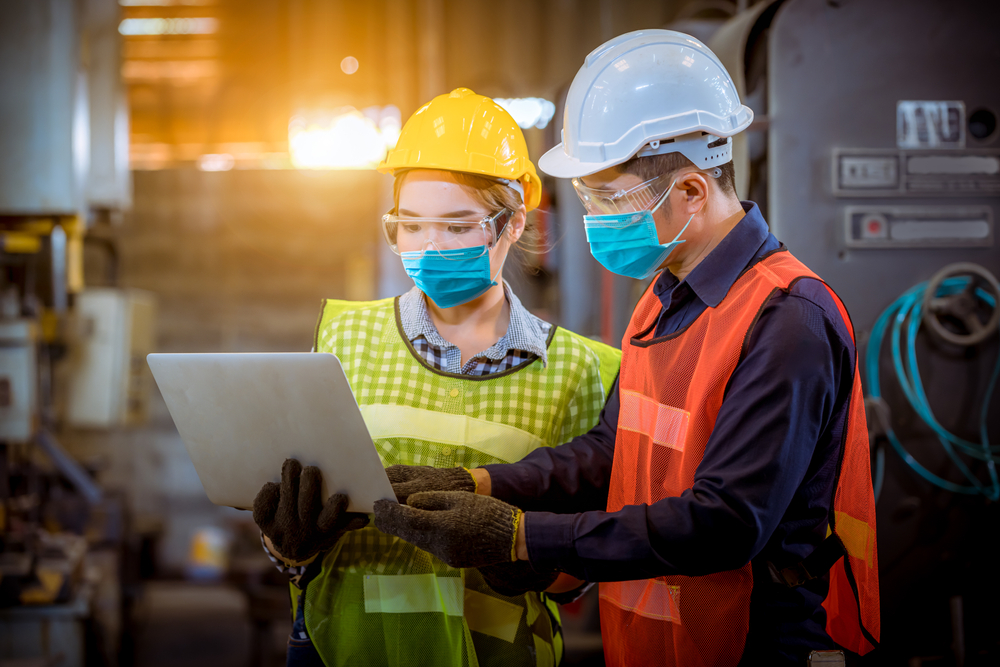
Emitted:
<point x="454" y="374"/>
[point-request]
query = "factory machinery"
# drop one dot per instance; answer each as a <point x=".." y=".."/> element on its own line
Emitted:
<point x="71" y="357"/>
<point x="875" y="156"/>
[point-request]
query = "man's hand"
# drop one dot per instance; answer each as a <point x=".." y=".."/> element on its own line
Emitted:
<point x="462" y="529"/>
<point x="294" y="517"/>
<point x="407" y="480"/>
<point x="516" y="578"/>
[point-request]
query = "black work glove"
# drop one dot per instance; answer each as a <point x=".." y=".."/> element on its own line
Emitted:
<point x="516" y="578"/>
<point x="462" y="529"/>
<point x="407" y="480"/>
<point x="295" y="518"/>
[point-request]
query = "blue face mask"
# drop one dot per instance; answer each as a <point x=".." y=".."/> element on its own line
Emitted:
<point x="627" y="243"/>
<point x="451" y="277"/>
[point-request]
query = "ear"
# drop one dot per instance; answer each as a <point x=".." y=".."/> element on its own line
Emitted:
<point x="694" y="186"/>
<point x="515" y="226"/>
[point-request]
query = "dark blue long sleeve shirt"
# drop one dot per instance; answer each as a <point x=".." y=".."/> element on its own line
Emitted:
<point x="764" y="487"/>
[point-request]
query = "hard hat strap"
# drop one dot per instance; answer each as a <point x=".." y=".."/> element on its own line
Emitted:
<point x="517" y="186"/>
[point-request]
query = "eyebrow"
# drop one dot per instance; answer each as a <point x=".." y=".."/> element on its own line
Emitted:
<point x="453" y="214"/>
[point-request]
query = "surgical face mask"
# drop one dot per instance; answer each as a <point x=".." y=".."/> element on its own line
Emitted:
<point x="627" y="243"/>
<point x="451" y="277"/>
<point x="453" y="266"/>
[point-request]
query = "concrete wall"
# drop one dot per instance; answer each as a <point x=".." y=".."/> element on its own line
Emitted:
<point x="238" y="261"/>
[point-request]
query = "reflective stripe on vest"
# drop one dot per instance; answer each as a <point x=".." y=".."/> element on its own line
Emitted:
<point x="507" y="443"/>
<point x="663" y="429"/>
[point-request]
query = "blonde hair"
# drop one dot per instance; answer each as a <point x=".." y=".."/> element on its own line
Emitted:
<point x="493" y="196"/>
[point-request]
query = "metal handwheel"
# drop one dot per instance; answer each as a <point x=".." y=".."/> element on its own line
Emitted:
<point x="962" y="305"/>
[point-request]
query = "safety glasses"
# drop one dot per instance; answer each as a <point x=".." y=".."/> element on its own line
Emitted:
<point x="641" y="197"/>
<point x="410" y="234"/>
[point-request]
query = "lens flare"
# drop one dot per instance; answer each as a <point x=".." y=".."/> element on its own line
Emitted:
<point x="347" y="140"/>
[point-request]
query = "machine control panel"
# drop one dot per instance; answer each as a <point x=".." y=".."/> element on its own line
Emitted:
<point x="902" y="173"/>
<point x="918" y="226"/>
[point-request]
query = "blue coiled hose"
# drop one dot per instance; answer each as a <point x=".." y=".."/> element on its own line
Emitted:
<point x="906" y="311"/>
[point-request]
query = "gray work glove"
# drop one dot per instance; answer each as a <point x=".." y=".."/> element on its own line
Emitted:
<point x="407" y="480"/>
<point x="516" y="578"/>
<point x="462" y="529"/>
<point x="295" y="518"/>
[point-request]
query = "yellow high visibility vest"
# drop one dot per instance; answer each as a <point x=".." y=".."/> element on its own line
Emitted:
<point x="381" y="601"/>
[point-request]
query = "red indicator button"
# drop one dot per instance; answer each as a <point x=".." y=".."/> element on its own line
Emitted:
<point x="874" y="226"/>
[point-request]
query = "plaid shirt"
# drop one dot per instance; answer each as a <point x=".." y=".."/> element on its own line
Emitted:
<point x="526" y="340"/>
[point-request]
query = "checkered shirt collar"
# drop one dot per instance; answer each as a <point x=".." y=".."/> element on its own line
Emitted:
<point x="525" y="332"/>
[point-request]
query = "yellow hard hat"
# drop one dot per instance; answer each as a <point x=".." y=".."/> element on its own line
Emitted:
<point x="462" y="131"/>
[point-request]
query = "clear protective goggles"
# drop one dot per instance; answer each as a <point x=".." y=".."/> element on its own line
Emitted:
<point x="641" y="197"/>
<point x="408" y="234"/>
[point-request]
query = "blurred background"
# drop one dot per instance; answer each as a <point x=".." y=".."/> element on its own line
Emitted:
<point x="196" y="175"/>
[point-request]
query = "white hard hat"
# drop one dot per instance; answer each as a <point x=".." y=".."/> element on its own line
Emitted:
<point x="647" y="92"/>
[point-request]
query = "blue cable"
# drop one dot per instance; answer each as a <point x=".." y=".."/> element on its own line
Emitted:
<point x="907" y="310"/>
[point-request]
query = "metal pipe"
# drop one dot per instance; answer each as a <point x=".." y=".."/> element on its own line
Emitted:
<point x="57" y="251"/>
<point x="70" y="468"/>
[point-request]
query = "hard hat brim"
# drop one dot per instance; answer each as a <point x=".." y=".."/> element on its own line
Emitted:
<point x="556" y="163"/>
<point x="691" y="144"/>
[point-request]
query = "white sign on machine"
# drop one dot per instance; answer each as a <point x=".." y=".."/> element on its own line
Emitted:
<point x="891" y="172"/>
<point x="930" y="124"/>
<point x="918" y="226"/>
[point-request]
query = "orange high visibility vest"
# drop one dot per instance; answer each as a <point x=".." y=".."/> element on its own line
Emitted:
<point x="671" y="389"/>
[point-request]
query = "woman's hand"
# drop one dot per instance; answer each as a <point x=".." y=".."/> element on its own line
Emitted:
<point x="294" y="518"/>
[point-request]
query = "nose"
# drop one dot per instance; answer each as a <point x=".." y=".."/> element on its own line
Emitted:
<point x="430" y="242"/>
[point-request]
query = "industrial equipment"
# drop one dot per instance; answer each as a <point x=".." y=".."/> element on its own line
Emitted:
<point x="109" y="383"/>
<point x="874" y="155"/>
<point x="63" y="169"/>
<point x="18" y="382"/>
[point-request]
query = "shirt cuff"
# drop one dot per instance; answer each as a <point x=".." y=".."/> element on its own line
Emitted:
<point x="292" y="570"/>
<point x="507" y="480"/>
<point x="549" y="539"/>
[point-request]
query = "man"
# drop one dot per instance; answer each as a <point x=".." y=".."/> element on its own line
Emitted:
<point x="724" y="500"/>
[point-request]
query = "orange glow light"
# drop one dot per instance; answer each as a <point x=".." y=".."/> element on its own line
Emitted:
<point x="349" y="65"/>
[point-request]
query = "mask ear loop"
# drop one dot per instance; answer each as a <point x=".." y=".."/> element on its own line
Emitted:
<point x="714" y="173"/>
<point x="683" y="229"/>
<point x="664" y="198"/>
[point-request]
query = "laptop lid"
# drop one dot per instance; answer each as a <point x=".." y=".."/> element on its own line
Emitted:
<point x="241" y="415"/>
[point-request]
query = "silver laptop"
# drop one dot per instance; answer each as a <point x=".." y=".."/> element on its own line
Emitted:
<point x="241" y="415"/>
